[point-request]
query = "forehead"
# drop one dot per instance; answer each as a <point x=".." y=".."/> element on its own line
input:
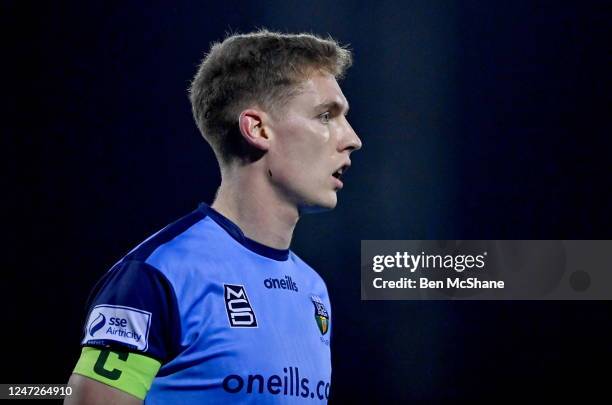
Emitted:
<point x="320" y="90"/>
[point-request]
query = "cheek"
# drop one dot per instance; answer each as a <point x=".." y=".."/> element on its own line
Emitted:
<point x="302" y="145"/>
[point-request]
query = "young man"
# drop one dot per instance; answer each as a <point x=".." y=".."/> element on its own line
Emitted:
<point x="215" y="307"/>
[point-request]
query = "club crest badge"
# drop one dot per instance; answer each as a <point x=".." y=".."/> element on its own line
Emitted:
<point x="321" y="314"/>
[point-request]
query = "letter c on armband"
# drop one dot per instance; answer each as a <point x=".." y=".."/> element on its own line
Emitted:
<point x="113" y="374"/>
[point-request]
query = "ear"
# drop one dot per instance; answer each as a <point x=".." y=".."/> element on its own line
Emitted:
<point x="252" y="128"/>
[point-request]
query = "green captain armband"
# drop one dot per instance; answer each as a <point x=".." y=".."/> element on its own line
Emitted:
<point x="129" y="372"/>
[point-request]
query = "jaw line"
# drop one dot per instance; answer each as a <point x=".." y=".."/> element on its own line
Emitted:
<point x="314" y="209"/>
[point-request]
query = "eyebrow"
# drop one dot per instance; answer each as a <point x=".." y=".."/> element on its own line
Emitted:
<point x="332" y="105"/>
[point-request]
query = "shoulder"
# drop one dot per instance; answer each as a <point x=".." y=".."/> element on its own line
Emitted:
<point x="313" y="276"/>
<point x="175" y="234"/>
<point x="182" y="245"/>
<point x="190" y="252"/>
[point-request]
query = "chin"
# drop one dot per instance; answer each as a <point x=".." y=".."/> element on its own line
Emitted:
<point x="319" y="205"/>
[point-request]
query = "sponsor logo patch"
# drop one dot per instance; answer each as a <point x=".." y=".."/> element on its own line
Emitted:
<point x="120" y="324"/>
<point x="290" y="383"/>
<point x="239" y="311"/>
<point x="285" y="283"/>
<point x="321" y="315"/>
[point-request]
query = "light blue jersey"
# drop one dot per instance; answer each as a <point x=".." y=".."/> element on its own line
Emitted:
<point x="231" y="320"/>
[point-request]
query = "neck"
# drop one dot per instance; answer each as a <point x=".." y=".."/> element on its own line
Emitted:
<point x="247" y="198"/>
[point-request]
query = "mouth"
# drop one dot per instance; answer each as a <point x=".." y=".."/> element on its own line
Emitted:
<point x="340" y="172"/>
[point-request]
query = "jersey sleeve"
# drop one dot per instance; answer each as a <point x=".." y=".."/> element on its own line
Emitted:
<point x="133" y="308"/>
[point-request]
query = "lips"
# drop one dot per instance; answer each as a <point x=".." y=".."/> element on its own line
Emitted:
<point x="337" y="183"/>
<point x="339" y="173"/>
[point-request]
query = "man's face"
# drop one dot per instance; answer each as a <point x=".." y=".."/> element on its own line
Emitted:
<point x="310" y="145"/>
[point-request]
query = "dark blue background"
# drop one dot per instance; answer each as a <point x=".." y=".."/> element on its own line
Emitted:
<point x="480" y="120"/>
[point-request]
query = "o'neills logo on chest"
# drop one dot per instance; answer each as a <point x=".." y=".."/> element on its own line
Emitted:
<point x="286" y="283"/>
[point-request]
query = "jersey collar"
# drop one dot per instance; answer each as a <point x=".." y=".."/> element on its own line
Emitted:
<point x="236" y="233"/>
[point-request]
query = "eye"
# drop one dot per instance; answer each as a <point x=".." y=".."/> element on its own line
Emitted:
<point x="325" y="117"/>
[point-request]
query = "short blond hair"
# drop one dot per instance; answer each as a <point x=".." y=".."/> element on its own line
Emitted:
<point x="261" y="67"/>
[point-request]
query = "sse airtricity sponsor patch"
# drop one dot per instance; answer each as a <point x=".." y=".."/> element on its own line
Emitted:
<point x="120" y="324"/>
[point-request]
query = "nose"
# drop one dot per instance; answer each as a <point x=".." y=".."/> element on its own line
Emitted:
<point x="350" y="141"/>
